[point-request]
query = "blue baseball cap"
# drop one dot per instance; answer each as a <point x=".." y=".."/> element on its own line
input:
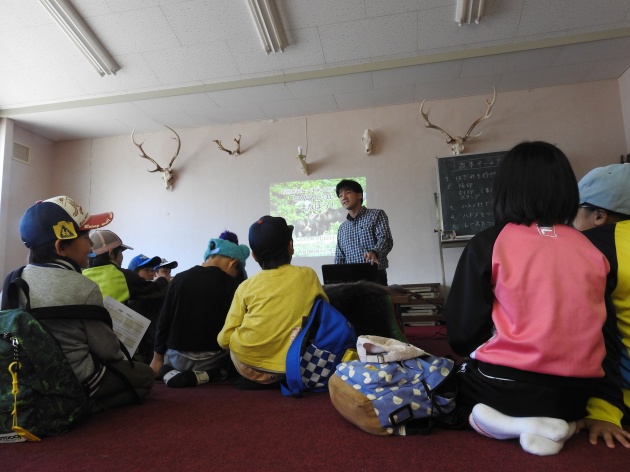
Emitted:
<point x="607" y="187"/>
<point x="58" y="218"/>
<point x="141" y="261"/>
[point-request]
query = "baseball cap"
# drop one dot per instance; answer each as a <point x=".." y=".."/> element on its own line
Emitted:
<point x="269" y="236"/>
<point x="141" y="261"/>
<point x="58" y="218"/>
<point x="166" y="264"/>
<point x="607" y="187"/>
<point x="104" y="241"/>
<point x="227" y="248"/>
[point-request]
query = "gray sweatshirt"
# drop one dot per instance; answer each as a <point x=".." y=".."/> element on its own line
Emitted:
<point x="61" y="284"/>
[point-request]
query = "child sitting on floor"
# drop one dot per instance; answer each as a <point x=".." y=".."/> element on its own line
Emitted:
<point x="604" y="216"/>
<point x="269" y="306"/>
<point x="56" y="231"/>
<point x="527" y="307"/>
<point x="186" y="350"/>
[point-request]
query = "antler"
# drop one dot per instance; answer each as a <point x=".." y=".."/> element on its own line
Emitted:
<point x="158" y="167"/>
<point x="179" y="145"/>
<point x="489" y="104"/>
<point x="167" y="175"/>
<point x="449" y="139"/>
<point x="143" y="154"/>
<point x="236" y="151"/>
<point x="457" y="142"/>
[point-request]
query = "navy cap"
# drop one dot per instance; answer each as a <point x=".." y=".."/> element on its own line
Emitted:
<point x="270" y="236"/>
<point x="58" y="218"/>
<point x="141" y="262"/>
<point x="166" y="264"/>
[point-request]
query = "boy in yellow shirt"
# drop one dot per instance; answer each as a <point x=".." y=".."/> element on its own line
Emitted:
<point x="268" y="307"/>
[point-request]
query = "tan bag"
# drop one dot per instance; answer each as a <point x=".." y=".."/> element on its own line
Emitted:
<point x="394" y="389"/>
<point x="355" y="407"/>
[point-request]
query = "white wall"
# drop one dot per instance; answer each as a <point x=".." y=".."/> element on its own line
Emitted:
<point x="624" y="94"/>
<point x="214" y="191"/>
<point x="23" y="185"/>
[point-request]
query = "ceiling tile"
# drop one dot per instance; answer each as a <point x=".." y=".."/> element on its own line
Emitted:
<point x="303" y="49"/>
<point x="300" y="106"/>
<point x="175" y="104"/>
<point x="134" y="31"/>
<point x="606" y="70"/>
<point x="481" y="85"/>
<point x="375" y="98"/>
<point x="200" y="62"/>
<point x="417" y="74"/>
<point x="541" y="16"/>
<point x="331" y="85"/>
<point x="203" y="21"/>
<point x="370" y="37"/>
<point x="594" y="51"/>
<point x="238" y="114"/>
<point x="548" y="77"/>
<point x="390" y="7"/>
<point x="510" y="62"/>
<point x="296" y="14"/>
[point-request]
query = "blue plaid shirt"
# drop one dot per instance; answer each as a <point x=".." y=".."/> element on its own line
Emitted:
<point x="369" y="231"/>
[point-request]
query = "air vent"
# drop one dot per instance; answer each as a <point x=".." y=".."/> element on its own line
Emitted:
<point x="21" y="153"/>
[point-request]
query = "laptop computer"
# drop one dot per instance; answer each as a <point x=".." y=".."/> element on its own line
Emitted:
<point x="343" y="273"/>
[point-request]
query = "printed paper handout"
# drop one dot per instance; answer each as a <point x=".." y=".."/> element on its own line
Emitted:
<point x="129" y="325"/>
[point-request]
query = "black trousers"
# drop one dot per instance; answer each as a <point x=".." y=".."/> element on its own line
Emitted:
<point x="553" y="397"/>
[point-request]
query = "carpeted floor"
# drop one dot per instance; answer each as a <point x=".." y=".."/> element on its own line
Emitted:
<point x="219" y="428"/>
<point x="222" y="429"/>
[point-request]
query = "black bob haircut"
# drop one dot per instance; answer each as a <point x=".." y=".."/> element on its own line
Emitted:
<point x="535" y="183"/>
<point x="349" y="184"/>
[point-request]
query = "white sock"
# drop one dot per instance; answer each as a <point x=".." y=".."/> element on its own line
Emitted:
<point x="541" y="446"/>
<point x="494" y="424"/>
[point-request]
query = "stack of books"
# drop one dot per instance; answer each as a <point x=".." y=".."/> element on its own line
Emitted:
<point x="428" y="290"/>
<point x="423" y="305"/>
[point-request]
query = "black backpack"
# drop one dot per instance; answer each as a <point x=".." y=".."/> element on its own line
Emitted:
<point x="40" y="394"/>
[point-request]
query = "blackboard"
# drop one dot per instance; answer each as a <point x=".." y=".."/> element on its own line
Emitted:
<point x="465" y="193"/>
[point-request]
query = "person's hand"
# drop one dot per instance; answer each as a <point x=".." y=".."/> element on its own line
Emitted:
<point x="156" y="364"/>
<point x="370" y="257"/>
<point x="606" y="430"/>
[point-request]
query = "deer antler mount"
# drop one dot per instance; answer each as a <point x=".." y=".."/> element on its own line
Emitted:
<point x="235" y="152"/>
<point x="302" y="157"/>
<point x="167" y="172"/>
<point x="457" y="142"/>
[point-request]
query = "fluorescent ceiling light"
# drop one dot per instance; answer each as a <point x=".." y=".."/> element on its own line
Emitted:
<point x="468" y="10"/>
<point x="73" y="25"/>
<point x="269" y="28"/>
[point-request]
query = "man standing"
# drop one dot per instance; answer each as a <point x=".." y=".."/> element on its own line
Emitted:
<point x="365" y="235"/>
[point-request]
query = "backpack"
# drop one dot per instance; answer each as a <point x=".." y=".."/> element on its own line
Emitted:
<point x="40" y="394"/>
<point x="317" y="349"/>
<point x="399" y="397"/>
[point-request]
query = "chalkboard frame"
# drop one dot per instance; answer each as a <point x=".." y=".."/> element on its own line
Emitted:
<point x="472" y="175"/>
